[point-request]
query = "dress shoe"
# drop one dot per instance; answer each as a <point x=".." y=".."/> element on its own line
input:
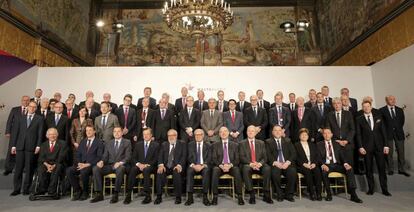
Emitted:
<point x="84" y="196"/>
<point x="312" y="197"/>
<point x="25" y="193"/>
<point x="252" y="201"/>
<point x="267" y="199"/>
<point x="15" y="193"/>
<point x="97" y="198"/>
<point x="177" y="200"/>
<point x="114" y="198"/>
<point x="404" y="173"/>
<point x="356" y="199"/>
<point x="214" y="202"/>
<point x="318" y="197"/>
<point x="146" y="200"/>
<point x="158" y="200"/>
<point x="127" y="199"/>
<point x="279" y="198"/>
<point x="240" y="200"/>
<point x="290" y="199"/>
<point x="5" y="173"/>
<point x="206" y="202"/>
<point x="76" y="196"/>
<point x="190" y="200"/>
<point x="391" y="173"/>
<point x="39" y="193"/>
<point x="386" y="193"/>
<point x="370" y="192"/>
<point x="328" y="197"/>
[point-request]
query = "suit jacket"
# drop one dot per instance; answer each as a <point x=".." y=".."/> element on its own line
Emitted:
<point x="161" y="126"/>
<point x="179" y="105"/>
<point x="225" y="106"/>
<point x="149" y="121"/>
<point x="192" y="153"/>
<point x="283" y="104"/>
<point x="124" y="153"/>
<point x="250" y="118"/>
<point x="371" y="140"/>
<point x="347" y="130"/>
<point x="354" y="103"/>
<point x="289" y="106"/>
<point x="62" y="126"/>
<point x="96" y="106"/>
<point x="214" y="123"/>
<point x="259" y="148"/>
<point x="232" y="149"/>
<point x="48" y="112"/>
<point x="395" y="127"/>
<point x="93" y="114"/>
<point x="57" y="156"/>
<point x="180" y="154"/>
<point x="13" y="118"/>
<point x="113" y="107"/>
<point x="106" y="133"/>
<point x="266" y="104"/>
<point x="329" y="102"/>
<point x="33" y="99"/>
<point x="307" y="122"/>
<point x="204" y="105"/>
<point x="289" y="152"/>
<point x="152" y="153"/>
<point x="309" y="104"/>
<point x="152" y="103"/>
<point x="131" y="119"/>
<point x="286" y="116"/>
<point x="301" y="155"/>
<point x="237" y="125"/>
<point x="27" y="138"/>
<point x="245" y="106"/>
<point x="193" y="121"/>
<point x="319" y="120"/>
<point x="93" y="155"/>
<point x="73" y="114"/>
<point x="338" y="152"/>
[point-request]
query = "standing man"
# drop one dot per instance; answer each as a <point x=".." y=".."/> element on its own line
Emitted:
<point x="181" y="102"/>
<point x="105" y="123"/>
<point x="107" y="98"/>
<point x="147" y="94"/>
<point x="37" y="97"/>
<point x="280" y="115"/>
<point x="242" y="104"/>
<point x="189" y="120"/>
<point x="260" y="101"/>
<point x="145" y="118"/>
<point x="164" y="120"/>
<point x="201" y="104"/>
<point x="233" y="121"/>
<point x="58" y="121"/>
<point x="222" y="104"/>
<point x="325" y="93"/>
<point x="320" y="112"/>
<point x="127" y="118"/>
<point x="256" y="116"/>
<point x="353" y="101"/>
<point x="301" y="118"/>
<point x="211" y="121"/>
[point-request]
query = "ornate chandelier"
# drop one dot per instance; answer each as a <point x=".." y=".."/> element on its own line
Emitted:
<point x="197" y="18"/>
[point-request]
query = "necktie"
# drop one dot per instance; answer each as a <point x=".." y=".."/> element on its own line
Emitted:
<point x="29" y="120"/>
<point x="255" y="111"/>
<point x="24" y="111"/>
<point x="116" y="147"/>
<point x="338" y="119"/>
<point x="57" y="119"/>
<point x="292" y="106"/>
<point x="88" y="145"/>
<point x="225" y="154"/>
<point x="143" y="114"/>
<point x="171" y="157"/>
<point x="198" y="155"/>
<point x="300" y="114"/>
<point x="369" y="122"/>
<point x="162" y="114"/>
<point x="321" y="110"/>
<point x="233" y="118"/>
<point x="280" y="157"/>
<point x="184" y="102"/>
<point x="330" y="156"/>
<point x="103" y="121"/>
<point x="52" y="146"/>
<point x="260" y="104"/>
<point x="252" y="152"/>
<point x="126" y="117"/>
<point x="69" y="113"/>
<point x="145" y="149"/>
<point x="44" y="113"/>
<point x="201" y="106"/>
<point x="189" y="113"/>
<point x="279" y="116"/>
<point x="211" y="113"/>
<point x="241" y="106"/>
<point x="393" y="113"/>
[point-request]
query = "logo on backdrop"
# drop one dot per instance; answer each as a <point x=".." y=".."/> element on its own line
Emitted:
<point x="193" y="88"/>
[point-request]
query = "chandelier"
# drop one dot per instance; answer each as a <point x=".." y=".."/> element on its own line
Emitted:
<point x="197" y="18"/>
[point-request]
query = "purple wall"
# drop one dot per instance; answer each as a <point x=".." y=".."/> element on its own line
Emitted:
<point x="11" y="67"/>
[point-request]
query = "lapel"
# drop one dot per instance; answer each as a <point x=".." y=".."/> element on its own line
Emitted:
<point x="302" y="151"/>
<point x="205" y="151"/>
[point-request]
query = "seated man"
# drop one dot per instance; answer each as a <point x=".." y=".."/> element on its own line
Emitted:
<point x="253" y="160"/>
<point x="334" y="160"/>
<point x="115" y="159"/>
<point x="89" y="153"/>
<point x="144" y="160"/>
<point x="225" y="160"/>
<point x="199" y="158"/>
<point x="171" y="161"/>
<point x="281" y="156"/>
<point x="51" y="162"/>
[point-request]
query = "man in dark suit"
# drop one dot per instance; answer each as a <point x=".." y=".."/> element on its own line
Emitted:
<point x="319" y="114"/>
<point x="44" y="110"/>
<point x="225" y="160"/>
<point x="144" y="160"/>
<point x="89" y="97"/>
<point x="353" y="101"/>
<point x="256" y="116"/>
<point x="261" y="102"/>
<point x="201" y="104"/>
<point x="346" y="105"/>
<point x="181" y="102"/>
<point x="26" y="140"/>
<point x="372" y="143"/>
<point x="59" y="121"/>
<point x="292" y="105"/>
<point x="280" y="115"/>
<point x="147" y="94"/>
<point x="51" y="162"/>
<point x="342" y="125"/>
<point x="12" y="122"/>
<point x="325" y="93"/>
<point x="115" y="159"/>
<point x="37" y="97"/>
<point x="89" y="153"/>
<point x="145" y="118"/>
<point x="312" y="99"/>
<point x="301" y="118"/>
<point x="164" y="120"/>
<point x="394" y="120"/>
<point x="71" y="111"/>
<point x="189" y="120"/>
<point x="222" y="105"/>
<point x="93" y="108"/>
<point x="253" y="159"/>
<point x="281" y="157"/>
<point x="242" y="104"/>
<point x="233" y="121"/>
<point x="199" y="160"/>
<point x="127" y="118"/>
<point x="107" y="98"/>
<point x="334" y="160"/>
<point x="171" y="161"/>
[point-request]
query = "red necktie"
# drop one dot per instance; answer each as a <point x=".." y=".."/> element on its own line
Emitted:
<point x="69" y="113"/>
<point x="126" y="117"/>
<point x="252" y="152"/>
<point x="233" y="118"/>
<point x="300" y="114"/>
<point x="52" y="146"/>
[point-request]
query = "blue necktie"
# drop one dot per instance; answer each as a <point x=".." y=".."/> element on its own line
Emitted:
<point x="198" y="156"/>
<point x="280" y="157"/>
<point x="145" y="149"/>
<point x="57" y="120"/>
<point x="29" y="120"/>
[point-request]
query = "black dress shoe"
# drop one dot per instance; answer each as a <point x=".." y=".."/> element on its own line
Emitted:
<point x="114" y="198"/>
<point x="312" y="197"/>
<point x="206" y="202"/>
<point x="240" y="200"/>
<point x="84" y="196"/>
<point x="391" y="173"/>
<point x="97" y="198"/>
<point x="404" y="173"/>
<point x="386" y="193"/>
<point x="318" y="197"/>
<point x="214" y="202"/>
<point x="5" y="173"/>
<point x="189" y="201"/>
<point x="39" y="193"/>
<point x="290" y="199"/>
<point x="252" y="201"/>
<point x="15" y="193"/>
<point x="177" y="200"/>
<point x="25" y="193"/>
<point x="158" y="200"/>
<point x="267" y="199"/>
<point x="356" y="199"/>
<point x="76" y="196"/>
<point x="146" y="200"/>
<point x="328" y="198"/>
<point x="370" y="192"/>
<point x="280" y="199"/>
<point x="127" y="199"/>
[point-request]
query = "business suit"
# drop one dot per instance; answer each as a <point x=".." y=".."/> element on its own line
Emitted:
<point x="263" y="104"/>
<point x="257" y="119"/>
<point x="91" y="155"/>
<point x="179" y="106"/>
<point x="62" y="126"/>
<point x="112" y="155"/>
<point x="319" y="113"/>
<point x="289" y="154"/>
<point x="211" y="120"/>
<point x="163" y="124"/>
<point x="373" y="141"/>
<point x="354" y="103"/>
<point x="139" y="157"/>
<point x="93" y="113"/>
<point x="225" y="106"/>
<point x="234" y="126"/>
<point x="96" y="106"/>
<point x="12" y="121"/>
<point x="144" y="120"/>
<point x="260" y="157"/>
<point x="217" y="160"/>
<point x="313" y="177"/>
<point x="192" y="121"/>
<point x="327" y="101"/>
<point x="284" y="120"/>
<point x="242" y="106"/>
<point x="105" y="132"/>
<point x="26" y="138"/>
<point x="53" y="156"/>
<point x="44" y="113"/>
<point x="297" y="124"/>
<point x="179" y="158"/>
<point x="310" y="104"/>
<point x="127" y="121"/>
<point x="192" y="149"/>
<point x="201" y="105"/>
<point x="113" y="107"/>
<point x="394" y="125"/>
<point x="72" y="114"/>
<point x="152" y="103"/>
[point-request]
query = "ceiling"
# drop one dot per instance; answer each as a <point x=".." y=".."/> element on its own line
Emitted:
<point x="155" y="4"/>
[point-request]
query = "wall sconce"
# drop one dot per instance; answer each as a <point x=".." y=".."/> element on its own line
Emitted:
<point x="290" y="27"/>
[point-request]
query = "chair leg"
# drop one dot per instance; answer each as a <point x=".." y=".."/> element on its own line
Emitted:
<point x="300" y="188"/>
<point x="234" y="192"/>
<point x="346" y="187"/>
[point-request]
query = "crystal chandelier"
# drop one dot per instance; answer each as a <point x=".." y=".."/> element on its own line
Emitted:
<point x="197" y="18"/>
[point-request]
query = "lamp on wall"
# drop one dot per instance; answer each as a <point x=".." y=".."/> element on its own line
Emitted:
<point x="290" y="27"/>
<point x="116" y="28"/>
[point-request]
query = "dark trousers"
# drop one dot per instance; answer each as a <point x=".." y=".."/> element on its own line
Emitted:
<point x="49" y="181"/>
<point x="369" y="163"/>
<point x="10" y="161"/>
<point x="350" y="177"/>
<point x="72" y="174"/>
<point x="234" y="171"/>
<point x="132" y="176"/>
<point x="98" y="174"/>
<point x="205" y="173"/>
<point x="25" y="160"/>
<point x="313" y="178"/>
<point x="290" y="175"/>
<point x="177" y="180"/>
<point x="399" y="146"/>
<point x="247" y="172"/>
